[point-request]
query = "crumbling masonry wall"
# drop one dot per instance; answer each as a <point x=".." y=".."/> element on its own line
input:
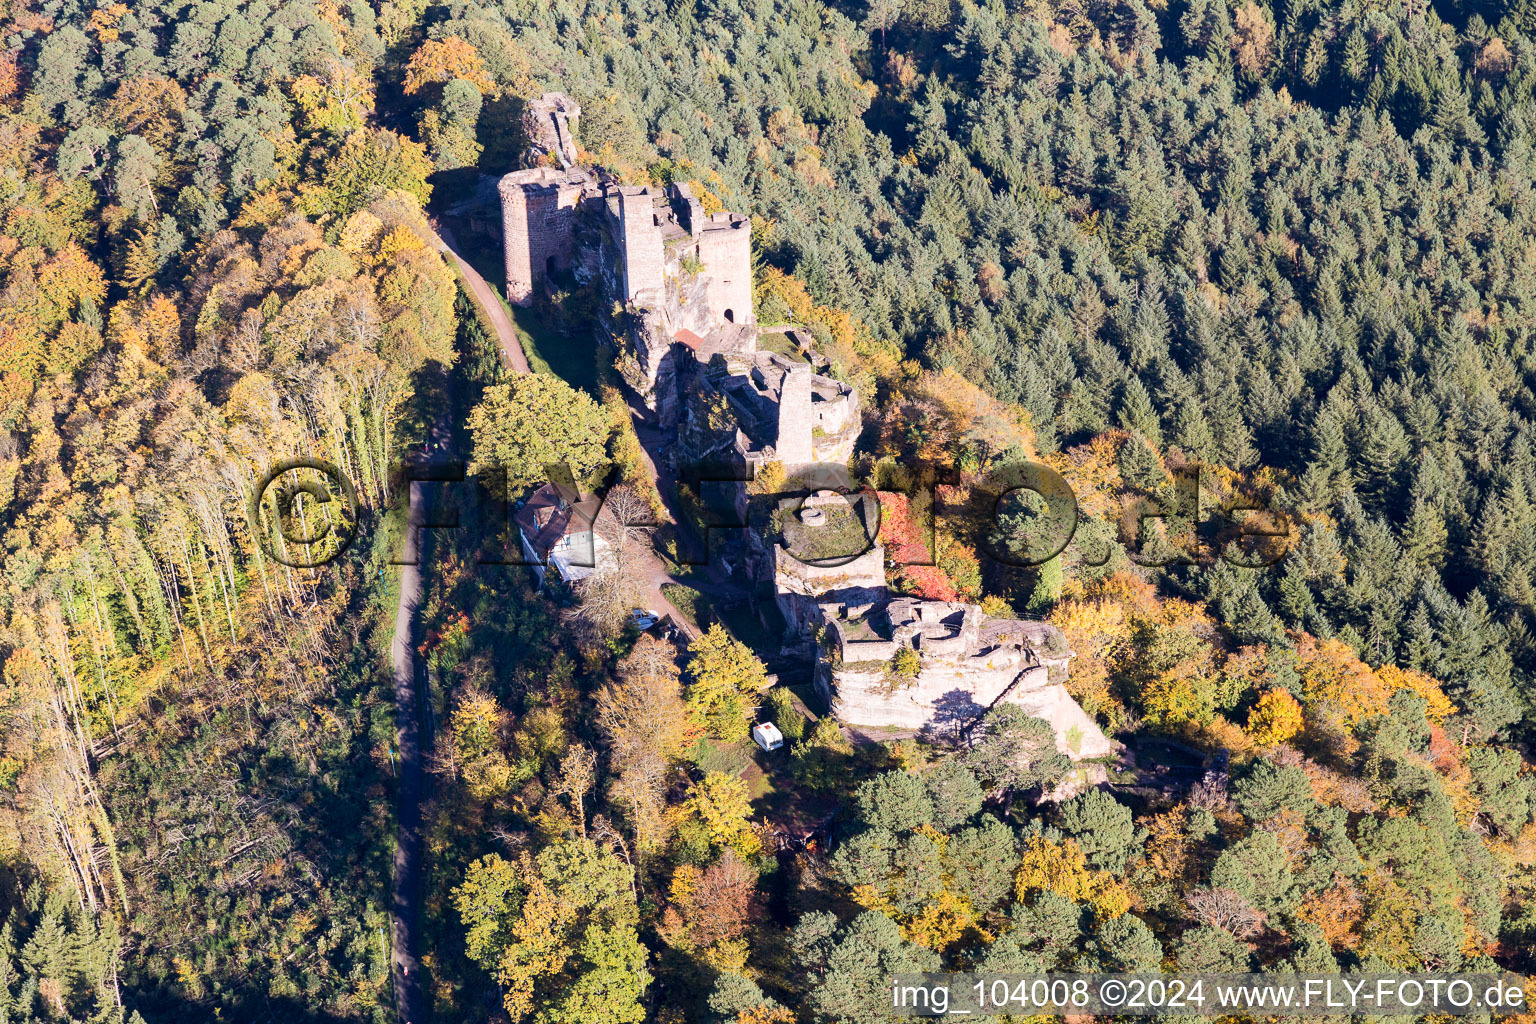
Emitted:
<point x="969" y="663"/>
<point x="639" y="239"/>
<point x="809" y="594"/>
<point x="949" y="694"/>
<point x="794" y="442"/>
<point x="549" y="124"/>
<point x="683" y="277"/>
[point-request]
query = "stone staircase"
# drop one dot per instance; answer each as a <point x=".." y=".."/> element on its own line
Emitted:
<point x="1034" y="663"/>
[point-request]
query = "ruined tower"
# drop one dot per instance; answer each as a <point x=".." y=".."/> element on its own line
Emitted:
<point x="723" y="244"/>
<point x="684" y="276"/>
<point x="549" y="123"/>
<point x="793" y="446"/>
<point x="640" y="241"/>
<point x="538" y="215"/>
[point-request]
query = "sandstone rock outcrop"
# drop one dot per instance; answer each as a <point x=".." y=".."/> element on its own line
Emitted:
<point x="968" y="663"/>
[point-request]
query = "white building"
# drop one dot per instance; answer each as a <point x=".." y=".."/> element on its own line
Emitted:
<point x="573" y="534"/>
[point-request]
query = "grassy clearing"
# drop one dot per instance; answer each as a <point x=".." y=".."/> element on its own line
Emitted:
<point x="727" y="757"/>
<point x="688" y="602"/>
<point x="572" y="359"/>
<point x="780" y="343"/>
<point x="841" y="535"/>
<point x="741" y="758"/>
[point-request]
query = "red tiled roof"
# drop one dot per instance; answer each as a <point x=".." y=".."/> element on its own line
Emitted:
<point x="687" y="337"/>
<point x="548" y="516"/>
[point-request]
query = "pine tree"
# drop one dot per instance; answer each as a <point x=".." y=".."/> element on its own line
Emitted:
<point x="1104" y="830"/>
<point x="1224" y="411"/>
<point x="1192" y="432"/>
<point x="1357" y="56"/>
<point x="1136" y="413"/>
<point x="1047" y="589"/>
<point x="1330" y="451"/>
<point x="133" y="176"/>
<point x="1424" y="536"/>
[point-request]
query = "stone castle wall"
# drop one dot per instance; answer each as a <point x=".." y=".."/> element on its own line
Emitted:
<point x="640" y="244"/>
<point x="639" y="239"/>
<point x="549" y="124"/>
<point x="818" y="419"/>
<point x="968" y="663"/>
<point x="835" y="422"/>
<point x="849" y="589"/>
<point x="640" y="251"/>
<point x="949" y="695"/>
<point x="794" y="442"/>
<point x="945" y="692"/>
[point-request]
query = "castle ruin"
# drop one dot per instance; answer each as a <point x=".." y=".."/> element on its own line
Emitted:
<point x="683" y="279"/>
<point x="679" y="282"/>
<point x="539" y="210"/>
<point x="549" y="124"/>
<point x="967" y="661"/>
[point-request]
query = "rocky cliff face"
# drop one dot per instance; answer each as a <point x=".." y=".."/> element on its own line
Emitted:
<point x="968" y="664"/>
<point x="947" y="697"/>
<point x="809" y="594"/>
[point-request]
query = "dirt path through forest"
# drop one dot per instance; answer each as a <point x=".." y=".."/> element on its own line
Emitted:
<point x="405" y="891"/>
<point x="485" y="295"/>
<point x="405" y="885"/>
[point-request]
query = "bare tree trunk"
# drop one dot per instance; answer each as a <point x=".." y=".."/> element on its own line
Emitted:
<point x="129" y="597"/>
<point x="218" y="577"/>
<point x="83" y="891"/>
<point x="101" y="662"/>
<point x="197" y="604"/>
<point x="168" y="583"/>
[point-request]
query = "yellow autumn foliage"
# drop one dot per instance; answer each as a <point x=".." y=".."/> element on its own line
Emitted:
<point x="1331" y="673"/>
<point x="685" y="880"/>
<point x="1062" y="868"/>
<point x="765" y="1015"/>
<point x="1394" y="679"/>
<point x="1275" y="718"/>
<point x="941" y="922"/>
<point x="720" y="803"/>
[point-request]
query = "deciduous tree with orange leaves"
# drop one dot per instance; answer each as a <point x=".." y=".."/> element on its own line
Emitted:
<point x="442" y="60"/>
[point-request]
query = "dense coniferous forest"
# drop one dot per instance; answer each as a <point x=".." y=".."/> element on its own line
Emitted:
<point x="1298" y="243"/>
<point x="1289" y="243"/>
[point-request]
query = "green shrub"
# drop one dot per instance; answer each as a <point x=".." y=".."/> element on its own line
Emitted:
<point x="781" y="709"/>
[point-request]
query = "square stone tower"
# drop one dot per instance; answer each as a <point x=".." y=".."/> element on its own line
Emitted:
<point x="794" y="442"/>
<point x="639" y="229"/>
<point x="724" y="248"/>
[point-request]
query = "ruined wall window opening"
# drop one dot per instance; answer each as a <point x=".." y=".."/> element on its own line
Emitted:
<point x="730" y="317"/>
